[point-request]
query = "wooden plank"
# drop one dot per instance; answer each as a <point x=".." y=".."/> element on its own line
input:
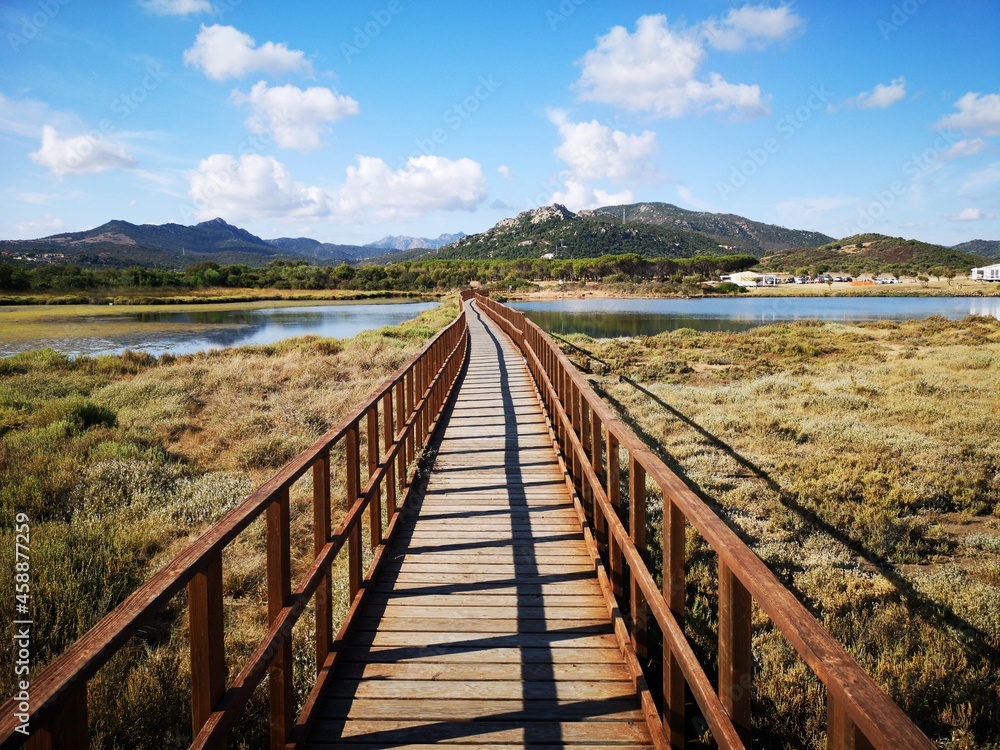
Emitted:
<point x="484" y="654"/>
<point x="494" y="626"/>
<point x="475" y="671"/>
<point x="453" y="690"/>
<point x="390" y="733"/>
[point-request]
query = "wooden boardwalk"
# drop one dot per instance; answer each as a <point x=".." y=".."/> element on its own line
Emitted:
<point x="486" y="626"/>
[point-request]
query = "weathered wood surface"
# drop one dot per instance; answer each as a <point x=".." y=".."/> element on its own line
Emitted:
<point x="487" y="626"/>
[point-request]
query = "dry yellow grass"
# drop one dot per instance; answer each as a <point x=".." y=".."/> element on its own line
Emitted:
<point x="862" y="463"/>
<point x="121" y="461"/>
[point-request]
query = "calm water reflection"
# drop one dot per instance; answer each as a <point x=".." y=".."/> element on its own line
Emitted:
<point x="609" y="318"/>
<point x="195" y="331"/>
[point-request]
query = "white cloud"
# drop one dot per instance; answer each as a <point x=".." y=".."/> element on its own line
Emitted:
<point x="597" y="152"/>
<point x="964" y="147"/>
<point x="752" y="26"/>
<point x="981" y="181"/>
<point x="577" y="196"/>
<point x="977" y="113"/>
<point x="505" y="172"/>
<point x="971" y="214"/>
<point x="374" y="192"/>
<point x="256" y="186"/>
<point x="882" y="96"/>
<point x="34" y="228"/>
<point x="252" y="186"/>
<point x="82" y="153"/>
<point x="656" y="70"/>
<point x="810" y="207"/>
<point x="176" y="7"/>
<point x="226" y="52"/>
<point x="26" y="117"/>
<point x="295" y="117"/>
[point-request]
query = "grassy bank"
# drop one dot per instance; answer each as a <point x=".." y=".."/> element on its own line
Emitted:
<point x="120" y="461"/>
<point x="862" y="464"/>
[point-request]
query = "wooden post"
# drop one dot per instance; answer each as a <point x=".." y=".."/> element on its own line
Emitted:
<point x="375" y="504"/>
<point x="673" y="593"/>
<point x="321" y="535"/>
<point x="353" y="492"/>
<point x="207" y="637"/>
<point x="841" y="732"/>
<point x="735" y="609"/>
<point x="67" y="730"/>
<point x="637" y="531"/>
<point x="403" y="460"/>
<point x="388" y="438"/>
<point x="279" y="589"/>
<point x="615" y="496"/>
<point x="407" y="414"/>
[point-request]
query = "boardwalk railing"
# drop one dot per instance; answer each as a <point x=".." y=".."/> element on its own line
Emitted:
<point x="400" y="415"/>
<point x="592" y="439"/>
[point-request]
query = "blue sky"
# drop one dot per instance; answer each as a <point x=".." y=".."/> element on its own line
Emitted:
<point x="349" y="121"/>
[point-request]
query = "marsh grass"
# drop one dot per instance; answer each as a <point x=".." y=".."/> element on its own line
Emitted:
<point x="862" y="464"/>
<point x="121" y="461"/>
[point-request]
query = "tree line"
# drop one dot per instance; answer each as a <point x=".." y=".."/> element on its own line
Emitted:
<point x="424" y="275"/>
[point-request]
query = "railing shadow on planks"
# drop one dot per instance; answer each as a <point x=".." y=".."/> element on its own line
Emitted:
<point x="409" y="404"/>
<point x="586" y="431"/>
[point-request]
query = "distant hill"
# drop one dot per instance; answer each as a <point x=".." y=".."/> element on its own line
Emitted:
<point x="872" y="254"/>
<point x="754" y="237"/>
<point x="119" y="244"/>
<point x="403" y="243"/>
<point x="321" y="251"/>
<point x="558" y="231"/>
<point x="985" y="248"/>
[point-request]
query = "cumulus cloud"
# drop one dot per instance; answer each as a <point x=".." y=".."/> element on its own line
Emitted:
<point x="79" y="154"/>
<point x="223" y="52"/>
<point x="971" y="214"/>
<point x="44" y="226"/>
<point x="252" y="186"/>
<point x="176" y="7"/>
<point x="295" y="117"/>
<point x="505" y="172"/>
<point x="753" y="26"/>
<point x="598" y="152"/>
<point x="977" y="113"/>
<point x="964" y="147"/>
<point x="882" y="96"/>
<point x="656" y="70"/>
<point x="374" y="192"/>
<point x="577" y="196"/>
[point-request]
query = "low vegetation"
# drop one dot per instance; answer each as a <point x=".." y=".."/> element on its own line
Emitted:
<point x="120" y="461"/>
<point x="862" y="464"/>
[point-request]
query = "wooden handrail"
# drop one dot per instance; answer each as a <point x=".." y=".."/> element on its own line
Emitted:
<point x="411" y="400"/>
<point x="589" y="435"/>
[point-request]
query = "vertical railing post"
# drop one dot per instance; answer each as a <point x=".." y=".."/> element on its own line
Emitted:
<point x="375" y="503"/>
<point x="673" y="593"/>
<point x="353" y="460"/>
<point x="207" y="642"/>
<point x="322" y="529"/>
<point x="735" y="609"/>
<point x="841" y="732"/>
<point x="67" y="730"/>
<point x="637" y="531"/>
<point x="403" y="461"/>
<point x="388" y="437"/>
<point x="279" y="589"/>
<point x="615" y="497"/>
<point x="409" y="413"/>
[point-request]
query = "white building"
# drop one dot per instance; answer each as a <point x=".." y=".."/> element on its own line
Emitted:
<point x="987" y="273"/>
<point x="750" y="279"/>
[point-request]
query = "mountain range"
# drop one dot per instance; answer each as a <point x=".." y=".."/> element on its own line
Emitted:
<point x="650" y="229"/>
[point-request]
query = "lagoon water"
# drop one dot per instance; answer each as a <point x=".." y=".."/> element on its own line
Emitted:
<point x="610" y="318"/>
<point x="178" y="331"/>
